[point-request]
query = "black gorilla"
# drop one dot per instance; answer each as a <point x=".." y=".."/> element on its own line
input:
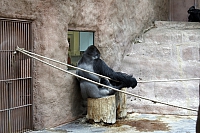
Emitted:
<point x="91" y="61"/>
<point x="194" y="14"/>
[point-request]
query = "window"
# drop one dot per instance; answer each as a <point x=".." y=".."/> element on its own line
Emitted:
<point x="78" y="43"/>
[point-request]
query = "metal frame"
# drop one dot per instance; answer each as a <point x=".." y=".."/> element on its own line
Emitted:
<point x="16" y="85"/>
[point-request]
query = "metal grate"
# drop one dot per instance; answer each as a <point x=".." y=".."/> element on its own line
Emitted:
<point x="15" y="76"/>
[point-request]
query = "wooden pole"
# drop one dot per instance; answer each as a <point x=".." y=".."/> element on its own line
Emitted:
<point x="121" y="107"/>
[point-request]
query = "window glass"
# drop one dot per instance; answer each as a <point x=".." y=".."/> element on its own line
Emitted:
<point x="78" y="43"/>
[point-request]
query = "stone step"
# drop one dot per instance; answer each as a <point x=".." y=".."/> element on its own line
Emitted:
<point x="177" y="25"/>
<point x="167" y="51"/>
<point x="167" y="34"/>
<point x="171" y="36"/>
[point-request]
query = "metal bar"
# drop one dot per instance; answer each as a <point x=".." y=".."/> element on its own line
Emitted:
<point x="4" y="47"/>
<point x="17" y="20"/>
<point x="7" y="50"/>
<point x="16" y="107"/>
<point x="15" y="79"/>
<point x="30" y="35"/>
<point x="9" y="106"/>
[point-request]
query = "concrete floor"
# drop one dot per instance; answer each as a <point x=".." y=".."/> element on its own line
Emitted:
<point x="134" y="123"/>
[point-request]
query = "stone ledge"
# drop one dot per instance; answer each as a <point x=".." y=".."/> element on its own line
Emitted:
<point x="177" y="25"/>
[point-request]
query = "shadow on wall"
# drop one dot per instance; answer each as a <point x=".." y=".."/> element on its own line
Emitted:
<point x="75" y="98"/>
<point x="198" y="117"/>
<point x="198" y="122"/>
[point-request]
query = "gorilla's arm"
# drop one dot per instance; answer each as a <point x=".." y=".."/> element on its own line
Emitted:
<point x="126" y="80"/>
<point x="100" y="67"/>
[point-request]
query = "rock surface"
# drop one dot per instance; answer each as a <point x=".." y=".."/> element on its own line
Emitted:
<point x="168" y="51"/>
<point x="116" y="24"/>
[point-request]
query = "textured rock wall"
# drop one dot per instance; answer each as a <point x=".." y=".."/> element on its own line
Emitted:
<point x="116" y="24"/>
<point x="168" y="51"/>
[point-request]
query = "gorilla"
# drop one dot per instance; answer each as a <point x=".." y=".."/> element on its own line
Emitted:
<point x="91" y="61"/>
<point x="194" y="14"/>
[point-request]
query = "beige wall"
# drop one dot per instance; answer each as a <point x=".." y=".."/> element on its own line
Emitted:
<point x="116" y="23"/>
<point x="168" y="51"/>
<point x="179" y="8"/>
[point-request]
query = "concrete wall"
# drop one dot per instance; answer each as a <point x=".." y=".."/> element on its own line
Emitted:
<point x="116" y="23"/>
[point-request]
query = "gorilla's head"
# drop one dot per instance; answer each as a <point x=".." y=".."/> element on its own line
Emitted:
<point x="93" y="52"/>
<point x="192" y="8"/>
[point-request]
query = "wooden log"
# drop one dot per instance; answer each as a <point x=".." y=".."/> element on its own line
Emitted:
<point x="102" y="109"/>
<point x="121" y="107"/>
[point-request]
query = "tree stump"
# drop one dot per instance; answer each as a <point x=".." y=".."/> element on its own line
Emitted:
<point x="121" y="107"/>
<point x="106" y="109"/>
<point x="102" y="109"/>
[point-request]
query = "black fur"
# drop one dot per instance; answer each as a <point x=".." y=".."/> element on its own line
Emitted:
<point x="91" y="61"/>
<point x="194" y="14"/>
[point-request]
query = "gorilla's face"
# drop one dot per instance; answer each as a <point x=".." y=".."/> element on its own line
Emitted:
<point x="93" y="52"/>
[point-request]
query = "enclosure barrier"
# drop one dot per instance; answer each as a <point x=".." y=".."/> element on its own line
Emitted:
<point x="16" y="101"/>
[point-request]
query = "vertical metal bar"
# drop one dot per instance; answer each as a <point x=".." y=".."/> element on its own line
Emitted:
<point x="14" y="102"/>
<point x="17" y="100"/>
<point x="14" y="43"/>
<point x="5" y="56"/>
<point x="9" y="106"/>
<point x="19" y="72"/>
<point x="30" y="32"/>
<point x="1" y="84"/>
<point x="3" y="94"/>
<point x="2" y="99"/>
<point x="14" y="75"/>
<point x="5" y="106"/>
<point x="4" y="47"/>
<point x="25" y="75"/>
<point x="22" y="72"/>
<point x="20" y="75"/>
<point x="25" y="65"/>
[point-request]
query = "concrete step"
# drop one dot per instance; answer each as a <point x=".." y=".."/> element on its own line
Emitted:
<point x="177" y="25"/>
<point x="188" y="51"/>
<point x="173" y="32"/>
